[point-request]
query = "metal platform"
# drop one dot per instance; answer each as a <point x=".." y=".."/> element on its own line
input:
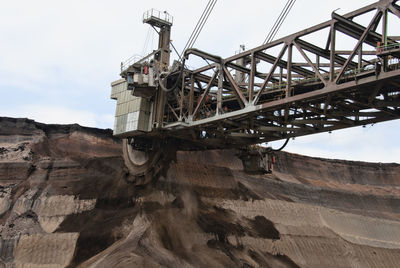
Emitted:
<point x="158" y="18"/>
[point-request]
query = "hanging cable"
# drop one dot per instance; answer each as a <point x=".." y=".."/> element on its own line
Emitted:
<point x="202" y="25"/>
<point x="177" y="53"/>
<point x="163" y="80"/>
<point x="146" y="42"/>
<point x="282" y="20"/>
<point x="279" y="21"/>
<point x="199" y="26"/>
<point x="283" y="146"/>
<point x="163" y="77"/>
<point x="275" y="23"/>
<point x="153" y="37"/>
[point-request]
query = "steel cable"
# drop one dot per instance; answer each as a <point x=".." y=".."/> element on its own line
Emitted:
<point x="287" y="13"/>
<point x="146" y="42"/>
<point x="282" y="147"/>
<point x="199" y="26"/>
<point x="279" y="21"/>
<point x="275" y="23"/>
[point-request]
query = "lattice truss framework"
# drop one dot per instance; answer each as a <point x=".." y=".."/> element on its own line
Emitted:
<point x="338" y="74"/>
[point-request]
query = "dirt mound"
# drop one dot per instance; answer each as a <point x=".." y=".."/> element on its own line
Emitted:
<point x="65" y="201"/>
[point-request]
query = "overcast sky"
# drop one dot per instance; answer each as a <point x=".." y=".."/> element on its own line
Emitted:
<point x="57" y="59"/>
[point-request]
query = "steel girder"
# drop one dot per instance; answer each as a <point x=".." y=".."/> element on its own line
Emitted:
<point x="281" y="97"/>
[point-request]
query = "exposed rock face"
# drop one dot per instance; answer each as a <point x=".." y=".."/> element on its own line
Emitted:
<point x="65" y="201"/>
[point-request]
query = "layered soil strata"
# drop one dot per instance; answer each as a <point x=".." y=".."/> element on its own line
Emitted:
<point x="65" y="201"/>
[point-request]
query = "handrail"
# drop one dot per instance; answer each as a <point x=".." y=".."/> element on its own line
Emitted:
<point x="387" y="47"/>
<point x="125" y="65"/>
<point x="158" y="14"/>
<point x="136" y="59"/>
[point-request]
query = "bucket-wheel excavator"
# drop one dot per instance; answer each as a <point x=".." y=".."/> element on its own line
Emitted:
<point x="285" y="88"/>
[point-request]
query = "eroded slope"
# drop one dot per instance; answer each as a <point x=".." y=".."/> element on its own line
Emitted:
<point x="65" y="201"/>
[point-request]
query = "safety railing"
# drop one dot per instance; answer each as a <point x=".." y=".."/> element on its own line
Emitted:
<point x="161" y="15"/>
<point x="383" y="48"/>
<point x="125" y="65"/>
<point x="136" y="59"/>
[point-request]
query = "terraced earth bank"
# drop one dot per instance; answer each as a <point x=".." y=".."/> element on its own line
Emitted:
<point x="65" y="202"/>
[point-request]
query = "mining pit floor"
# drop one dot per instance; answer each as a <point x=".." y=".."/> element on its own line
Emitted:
<point x="65" y="202"/>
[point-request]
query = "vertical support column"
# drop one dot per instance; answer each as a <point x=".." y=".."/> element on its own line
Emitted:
<point x="159" y="108"/>
<point x="239" y="76"/>
<point x="289" y="71"/>
<point x="182" y="97"/>
<point x="251" y="77"/>
<point x="280" y="76"/>
<point x="163" y="63"/>
<point x="317" y="61"/>
<point x="384" y="37"/>
<point x="163" y="44"/>
<point x="385" y="26"/>
<point x="219" y="93"/>
<point x="360" y="52"/>
<point x="191" y="97"/>
<point x="332" y="55"/>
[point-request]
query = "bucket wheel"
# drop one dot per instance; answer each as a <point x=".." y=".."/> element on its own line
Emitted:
<point x="142" y="165"/>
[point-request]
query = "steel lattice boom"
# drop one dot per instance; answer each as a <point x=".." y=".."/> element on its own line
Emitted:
<point x="298" y="85"/>
<point x="235" y="101"/>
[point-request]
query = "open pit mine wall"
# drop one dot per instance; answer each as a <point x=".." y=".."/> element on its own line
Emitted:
<point x="65" y="202"/>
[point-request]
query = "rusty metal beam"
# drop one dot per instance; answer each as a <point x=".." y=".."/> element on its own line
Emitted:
<point x="281" y="63"/>
<point x="203" y="96"/>
<point x="376" y="17"/>
<point x="271" y="71"/>
<point x="323" y="53"/>
<point x="356" y="30"/>
<point x="313" y="103"/>
<point x="242" y="100"/>
<point x="310" y="63"/>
